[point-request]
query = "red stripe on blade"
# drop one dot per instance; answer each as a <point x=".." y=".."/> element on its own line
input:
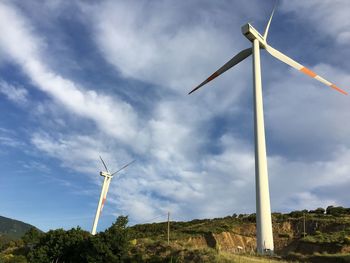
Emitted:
<point x="308" y="72"/>
<point x="213" y="76"/>
<point x="339" y="89"/>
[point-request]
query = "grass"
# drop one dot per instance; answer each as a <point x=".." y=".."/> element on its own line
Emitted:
<point x="160" y="251"/>
<point x="341" y="237"/>
<point x="320" y="258"/>
<point x="246" y="259"/>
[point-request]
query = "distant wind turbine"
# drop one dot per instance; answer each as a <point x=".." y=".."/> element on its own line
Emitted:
<point x="105" y="186"/>
<point x="263" y="210"/>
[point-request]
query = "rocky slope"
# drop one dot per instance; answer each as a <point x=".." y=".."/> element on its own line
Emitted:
<point x="324" y="234"/>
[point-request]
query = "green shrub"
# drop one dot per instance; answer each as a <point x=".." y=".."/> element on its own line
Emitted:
<point x="77" y="245"/>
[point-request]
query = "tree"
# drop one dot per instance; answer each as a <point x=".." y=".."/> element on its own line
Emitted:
<point x="319" y="211"/>
<point x="296" y="214"/>
<point x="32" y="237"/>
<point x="336" y="210"/>
<point x="110" y="246"/>
<point x="117" y="236"/>
<point x="77" y="245"/>
<point x="59" y="245"/>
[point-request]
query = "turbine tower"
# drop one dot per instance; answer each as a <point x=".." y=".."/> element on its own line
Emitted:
<point x="105" y="186"/>
<point x="263" y="210"/>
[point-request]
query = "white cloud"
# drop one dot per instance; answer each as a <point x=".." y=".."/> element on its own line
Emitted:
<point x="159" y="44"/>
<point x="117" y="118"/>
<point x="296" y="184"/>
<point x="13" y="93"/>
<point x="10" y="138"/>
<point x="305" y="117"/>
<point x="181" y="166"/>
<point x="328" y="16"/>
<point x="8" y="141"/>
<point x="180" y="173"/>
<point x="80" y="153"/>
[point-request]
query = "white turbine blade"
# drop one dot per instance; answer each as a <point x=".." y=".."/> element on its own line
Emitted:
<point x="123" y="167"/>
<point x="233" y="61"/>
<point x="98" y="210"/>
<point x="105" y="191"/>
<point x="297" y="66"/>
<point x="107" y="188"/>
<point x="268" y="24"/>
<point x="104" y="164"/>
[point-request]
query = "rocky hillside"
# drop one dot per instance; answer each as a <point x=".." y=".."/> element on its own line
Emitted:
<point x="299" y="235"/>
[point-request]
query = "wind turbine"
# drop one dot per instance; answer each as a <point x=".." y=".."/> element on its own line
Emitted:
<point x="263" y="209"/>
<point x="106" y="181"/>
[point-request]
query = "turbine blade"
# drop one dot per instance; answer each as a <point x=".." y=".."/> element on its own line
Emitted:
<point x="233" y="61"/>
<point x="105" y="191"/>
<point x="280" y="56"/>
<point x="104" y="164"/>
<point x="268" y="24"/>
<point x="107" y="188"/>
<point x="123" y="167"/>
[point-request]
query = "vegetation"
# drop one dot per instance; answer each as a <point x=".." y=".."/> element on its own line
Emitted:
<point x="75" y="245"/>
<point x="326" y="239"/>
<point x="195" y="227"/>
<point x="341" y="237"/>
<point x="160" y="252"/>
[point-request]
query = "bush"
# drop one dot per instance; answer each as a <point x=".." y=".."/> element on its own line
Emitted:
<point x="320" y="211"/>
<point x="9" y="258"/>
<point x="32" y="237"/>
<point x="296" y="214"/>
<point x="337" y="210"/>
<point x="77" y="245"/>
<point x="251" y="218"/>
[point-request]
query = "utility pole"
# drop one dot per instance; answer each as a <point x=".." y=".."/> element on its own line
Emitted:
<point x="304" y="233"/>
<point x="168" y="228"/>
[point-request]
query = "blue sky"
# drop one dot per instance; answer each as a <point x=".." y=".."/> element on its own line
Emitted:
<point x="79" y="79"/>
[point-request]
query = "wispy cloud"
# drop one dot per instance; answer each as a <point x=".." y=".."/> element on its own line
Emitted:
<point x="10" y="138"/>
<point x="13" y="93"/>
<point x="195" y="154"/>
<point x="115" y="117"/>
<point x="8" y="141"/>
<point x="77" y="152"/>
<point x="327" y="17"/>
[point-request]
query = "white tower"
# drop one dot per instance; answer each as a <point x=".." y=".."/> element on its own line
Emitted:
<point x="263" y="210"/>
<point x="105" y="186"/>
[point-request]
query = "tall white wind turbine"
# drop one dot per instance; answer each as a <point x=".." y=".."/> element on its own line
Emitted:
<point x="105" y="186"/>
<point x="263" y="210"/>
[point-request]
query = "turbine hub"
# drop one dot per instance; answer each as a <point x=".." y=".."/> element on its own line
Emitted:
<point x="251" y="33"/>
<point x="105" y="174"/>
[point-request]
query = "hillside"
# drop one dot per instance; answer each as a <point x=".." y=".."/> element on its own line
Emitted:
<point x="305" y="236"/>
<point x="13" y="229"/>
<point x="325" y="238"/>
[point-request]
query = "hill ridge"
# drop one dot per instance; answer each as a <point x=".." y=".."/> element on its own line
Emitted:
<point x="13" y="228"/>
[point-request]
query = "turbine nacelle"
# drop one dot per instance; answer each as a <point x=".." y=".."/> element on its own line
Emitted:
<point x="251" y="33"/>
<point x="106" y="174"/>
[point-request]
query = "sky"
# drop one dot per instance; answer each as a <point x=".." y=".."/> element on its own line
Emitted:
<point x="80" y="79"/>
